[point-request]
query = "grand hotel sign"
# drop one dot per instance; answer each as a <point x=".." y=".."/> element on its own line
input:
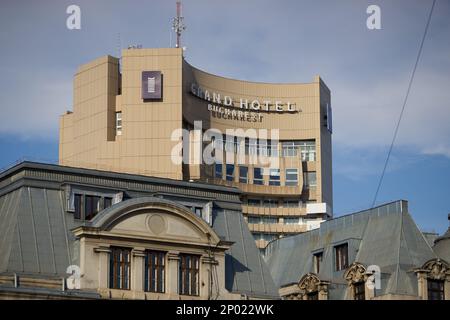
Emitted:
<point x="227" y="107"/>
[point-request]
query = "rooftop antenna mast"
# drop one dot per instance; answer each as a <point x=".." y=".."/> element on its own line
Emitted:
<point x="178" y="24"/>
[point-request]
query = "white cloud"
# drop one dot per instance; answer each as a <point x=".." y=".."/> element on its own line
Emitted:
<point x="368" y="118"/>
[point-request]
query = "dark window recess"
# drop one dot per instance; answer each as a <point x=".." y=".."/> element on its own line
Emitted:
<point x="91" y="206"/>
<point x="359" y="290"/>
<point x="318" y="257"/>
<point x="258" y="176"/>
<point x="107" y="202"/>
<point x="119" y="268"/>
<point x="155" y="271"/>
<point x="77" y="204"/>
<point x="341" y="256"/>
<point x="218" y="170"/>
<point x="197" y="211"/>
<point x="230" y="172"/>
<point x="312" y="295"/>
<point x="435" y="289"/>
<point x="188" y="275"/>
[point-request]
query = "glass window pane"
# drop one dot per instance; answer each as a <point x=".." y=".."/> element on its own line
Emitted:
<point x="243" y="174"/>
<point x="230" y="172"/>
<point x="258" y="176"/>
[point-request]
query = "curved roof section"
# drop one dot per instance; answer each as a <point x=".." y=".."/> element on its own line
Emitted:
<point x="111" y="216"/>
<point x="316" y="78"/>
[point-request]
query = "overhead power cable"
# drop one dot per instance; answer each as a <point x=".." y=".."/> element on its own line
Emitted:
<point x="404" y="105"/>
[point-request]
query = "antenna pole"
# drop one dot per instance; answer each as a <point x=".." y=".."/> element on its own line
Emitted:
<point x="178" y="24"/>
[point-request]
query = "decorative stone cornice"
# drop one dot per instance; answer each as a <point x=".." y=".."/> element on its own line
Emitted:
<point x="309" y="283"/>
<point x="435" y="269"/>
<point x="355" y="273"/>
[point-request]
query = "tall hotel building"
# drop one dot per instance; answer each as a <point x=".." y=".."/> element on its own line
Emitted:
<point x="127" y="114"/>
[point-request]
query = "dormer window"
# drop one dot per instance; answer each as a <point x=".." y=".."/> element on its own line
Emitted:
<point x="341" y="256"/>
<point x="86" y="203"/>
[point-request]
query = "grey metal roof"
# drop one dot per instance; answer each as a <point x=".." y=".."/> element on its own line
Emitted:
<point x="35" y="227"/>
<point x="385" y="236"/>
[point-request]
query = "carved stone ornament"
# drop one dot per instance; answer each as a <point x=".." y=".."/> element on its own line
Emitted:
<point x="436" y="269"/>
<point x="355" y="273"/>
<point x="309" y="283"/>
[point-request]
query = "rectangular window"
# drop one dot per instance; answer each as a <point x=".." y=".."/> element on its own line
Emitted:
<point x="270" y="203"/>
<point x="308" y="150"/>
<point x="262" y="220"/>
<point x="435" y="289"/>
<point x="119" y="268"/>
<point x="254" y="202"/>
<point x="341" y="256"/>
<point x="318" y="257"/>
<point x="218" y="170"/>
<point x="118" y="123"/>
<point x="229" y="144"/>
<point x="291" y="177"/>
<point x="107" y="202"/>
<point x="289" y="148"/>
<point x="251" y="146"/>
<point x="197" y="211"/>
<point x="291" y="203"/>
<point x="151" y="85"/>
<point x="254" y="220"/>
<point x="292" y="220"/>
<point x="243" y="174"/>
<point x="155" y="271"/>
<point x="77" y="205"/>
<point x="269" y="219"/>
<point x="359" y="290"/>
<point x="269" y="237"/>
<point x="188" y="275"/>
<point x="274" y="177"/>
<point x="218" y="144"/>
<point x="264" y="236"/>
<point x="258" y="176"/>
<point x="230" y="172"/>
<point x="314" y="295"/>
<point x="309" y="180"/>
<point x="91" y="206"/>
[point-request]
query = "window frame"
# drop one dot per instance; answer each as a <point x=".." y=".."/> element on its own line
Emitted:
<point x="118" y="123"/>
<point x="274" y="177"/>
<point x="435" y="291"/>
<point x="291" y="182"/>
<point x="307" y="179"/>
<point x="230" y="177"/>
<point x="243" y="179"/>
<point x="318" y="259"/>
<point x="341" y="257"/>
<point x="260" y="180"/>
<point x="158" y="268"/>
<point x="359" y="290"/>
<point x="193" y="289"/>
<point x="124" y="282"/>
<point x="217" y="173"/>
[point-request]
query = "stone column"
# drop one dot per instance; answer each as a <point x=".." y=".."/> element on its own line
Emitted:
<point x="103" y="266"/>
<point x="323" y="291"/>
<point x="207" y="280"/>
<point x="137" y="269"/>
<point x="422" y="286"/>
<point x="172" y="272"/>
<point x="447" y="287"/>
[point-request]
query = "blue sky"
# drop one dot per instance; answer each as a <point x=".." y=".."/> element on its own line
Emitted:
<point x="272" y="41"/>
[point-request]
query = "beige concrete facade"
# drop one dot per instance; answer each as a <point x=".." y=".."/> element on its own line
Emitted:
<point x="143" y="142"/>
